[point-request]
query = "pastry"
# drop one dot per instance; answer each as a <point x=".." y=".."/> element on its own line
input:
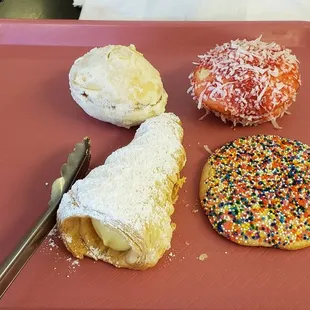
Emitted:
<point x="255" y="191"/>
<point x="246" y="82"/>
<point x="116" y="84"/>
<point x="121" y="211"/>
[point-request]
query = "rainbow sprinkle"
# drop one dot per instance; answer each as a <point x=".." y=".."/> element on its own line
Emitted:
<point x="259" y="192"/>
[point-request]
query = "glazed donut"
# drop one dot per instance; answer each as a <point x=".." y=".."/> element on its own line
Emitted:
<point x="246" y="82"/>
<point x="255" y="191"/>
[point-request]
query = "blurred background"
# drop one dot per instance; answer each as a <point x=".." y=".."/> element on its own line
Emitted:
<point x="181" y="10"/>
<point x="37" y="9"/>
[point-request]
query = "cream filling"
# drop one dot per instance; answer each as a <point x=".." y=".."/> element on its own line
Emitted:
<point x="110" y="237"/>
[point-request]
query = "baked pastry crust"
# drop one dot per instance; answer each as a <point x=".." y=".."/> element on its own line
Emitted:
<point x="132" y="194"/>
<point x="255" y="192"/>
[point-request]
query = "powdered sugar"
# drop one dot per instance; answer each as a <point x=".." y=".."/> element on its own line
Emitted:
<point x="53" y="232"/>
<point x="131" y="185"/>
<point x="52" y="246"/>
<point x="67" y="238"/>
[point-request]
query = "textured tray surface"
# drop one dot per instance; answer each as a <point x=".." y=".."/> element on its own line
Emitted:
<point x="41" y="123"/>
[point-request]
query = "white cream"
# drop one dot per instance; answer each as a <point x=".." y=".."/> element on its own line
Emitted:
<point x="110" y="237"/>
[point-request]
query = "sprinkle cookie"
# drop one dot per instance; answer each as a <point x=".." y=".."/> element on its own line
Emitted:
<point x="256" y="190"/>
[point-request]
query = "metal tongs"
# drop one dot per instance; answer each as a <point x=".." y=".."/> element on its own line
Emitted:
<point x="75" y="168"/>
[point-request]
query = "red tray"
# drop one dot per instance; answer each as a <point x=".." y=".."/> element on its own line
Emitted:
<point x="40" y="124"/>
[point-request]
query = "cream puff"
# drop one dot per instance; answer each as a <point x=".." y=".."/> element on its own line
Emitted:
<point x="118" y="85"/>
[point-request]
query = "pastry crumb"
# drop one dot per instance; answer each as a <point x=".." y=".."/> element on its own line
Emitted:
<point x="195" y="210"/>
<point x="171" y="254"/>
<point x="226" y="252"/>
<point x="206" y="147"/>
<point x="52" y="244"/>
<point x="51" y="247"/>
<point x="75" y="262"/>
<point x="53" y="232"/>
<point x="46" y="183"/>
<point x="186" y="242"/>
<point x="202" y="257"/>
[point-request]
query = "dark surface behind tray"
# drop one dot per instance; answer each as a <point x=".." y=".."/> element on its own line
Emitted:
<point x="39" y="9"/>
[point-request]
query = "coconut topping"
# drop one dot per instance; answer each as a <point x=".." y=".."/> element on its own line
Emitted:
<point x="251" y="78"/>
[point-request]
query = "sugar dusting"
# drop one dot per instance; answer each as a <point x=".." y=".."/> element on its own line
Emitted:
<point x="141" y="165"/>
<point x="171" y="254"/>
<point x="53" y="246"/>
